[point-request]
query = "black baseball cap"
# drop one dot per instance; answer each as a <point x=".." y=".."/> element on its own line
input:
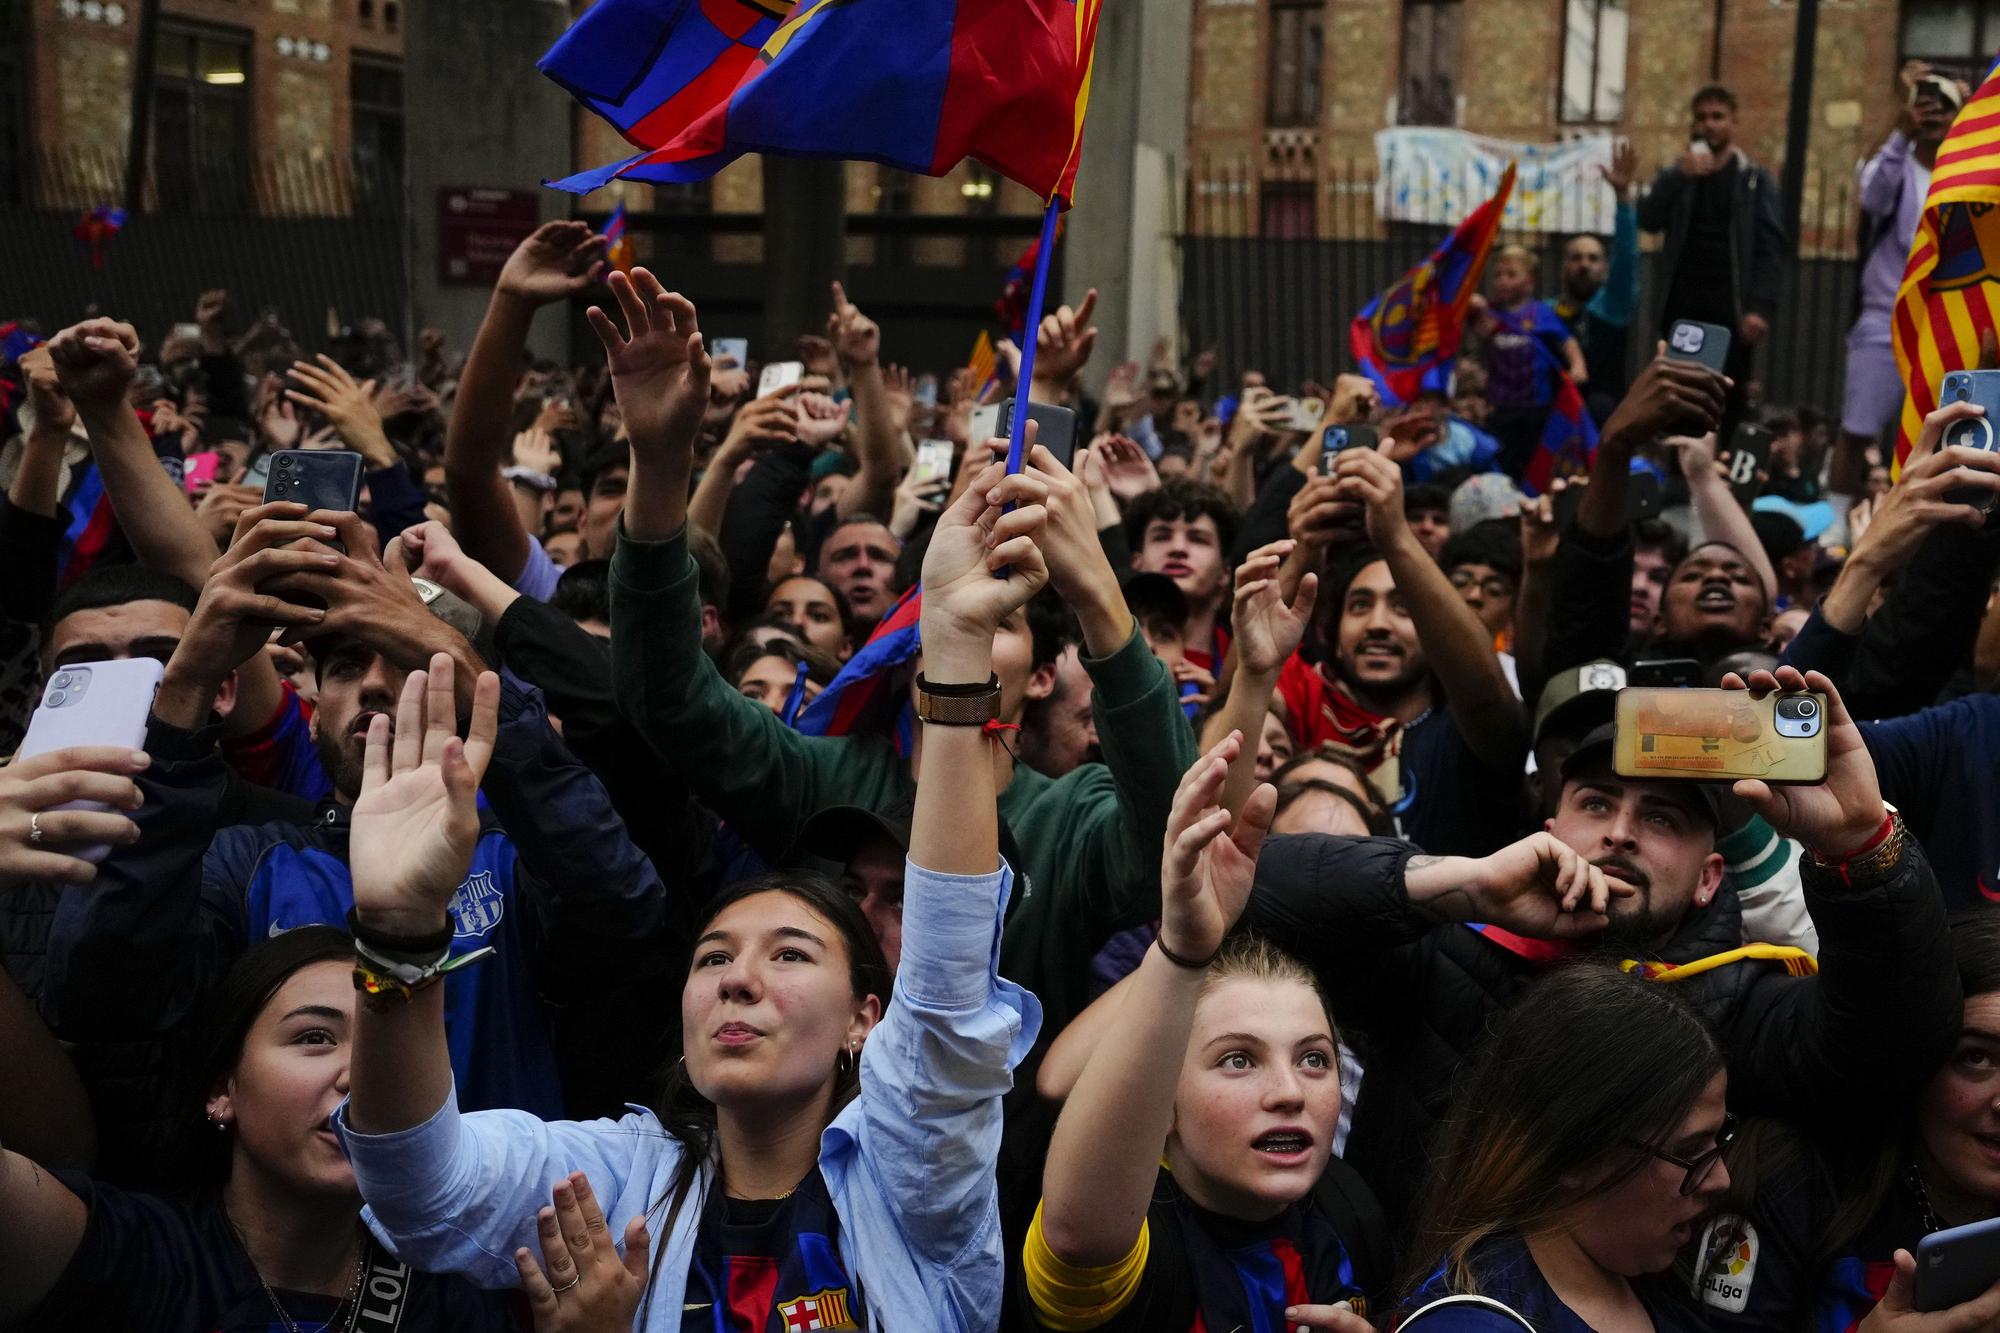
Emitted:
<point x="1593" y="755"/>
<point x="836" y="833"/>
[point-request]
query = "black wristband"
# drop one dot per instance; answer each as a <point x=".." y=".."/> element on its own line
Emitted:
<point x="958" y="691"/>
<point x="416" y="948"/>
<point x="1189" y="963"/>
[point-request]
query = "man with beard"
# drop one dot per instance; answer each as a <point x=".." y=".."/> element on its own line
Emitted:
<point x="555" y="889"/>
<point x="1410" y="685"/>
<point x="1421" y="952"/>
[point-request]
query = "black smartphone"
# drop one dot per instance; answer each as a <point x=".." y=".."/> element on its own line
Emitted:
<point x="1055" y="428"/>
<point x="1972" y="386"/>
<point x="1643" y="500"/>
<point x="1748" y="458"/>
<point x="1678" y="673"/>
<point x="1692" y="340"/>
<point x="1337" y="438"/>
<point x="315" y="478"/>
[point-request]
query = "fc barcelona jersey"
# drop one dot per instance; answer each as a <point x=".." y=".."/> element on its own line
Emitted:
<point x="771" y="1266"/>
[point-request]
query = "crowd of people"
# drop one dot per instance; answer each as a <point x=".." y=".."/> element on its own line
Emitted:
<point x="669" y="858"/>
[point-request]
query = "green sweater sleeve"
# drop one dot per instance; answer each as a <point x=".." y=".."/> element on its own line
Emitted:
<point x="752" y="770"/>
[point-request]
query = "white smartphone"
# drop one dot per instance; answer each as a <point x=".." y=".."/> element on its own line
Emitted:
<point x="735" y="350"/>
<point x="985" y="423"/>
<point x="933" y="465"/>
<point x="94" y="703"/>
<point x="779" y="375"/>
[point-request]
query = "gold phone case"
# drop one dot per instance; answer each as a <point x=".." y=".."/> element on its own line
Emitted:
<point x="1714" y="736"/>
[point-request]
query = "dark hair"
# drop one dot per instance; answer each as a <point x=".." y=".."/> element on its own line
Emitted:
<point x="1051" y="625"/>
<point x="604" y="458"/>
<point x="683" y="1111"/>
<point x="710" y="567"/>
<point x="1712" y="92"/>
<point x="1180" y="498"/>
<point x="584" y="591"/>
<point x="1587" y="1061"/>
<point x="1495" y="542"/>
<point x="1425" y="495"/>
<point x="225" y="1023"/>
<point x="819" y="667"/>
<point x="1372" y="817"/>
<point x="1653" y="534"/>
<point x="840" y="606"/>
<point x="1326" y="752"/>
<point x="115" y="585"/>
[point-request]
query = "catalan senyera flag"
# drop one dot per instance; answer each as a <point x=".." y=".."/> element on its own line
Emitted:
<point x="1951" y="286"/>
<point x="619" y="251"/>
<point x="1407" y="337"/>
<point x="983" y="361"/>
<point x="915" y="84"/>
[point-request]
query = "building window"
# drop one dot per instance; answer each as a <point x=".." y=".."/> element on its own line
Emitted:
<point x="1429" y="93"/>
<point x="375" y="95"/>
<point x="1593" y="73"/>
<point x="1293" y="62"/>
<point x="1957" y="36"/>
<point x="1286" y="210"/>
<point x="201" y="119"/>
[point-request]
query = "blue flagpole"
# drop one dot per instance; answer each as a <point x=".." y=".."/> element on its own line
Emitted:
<point x="1017" y="429"/>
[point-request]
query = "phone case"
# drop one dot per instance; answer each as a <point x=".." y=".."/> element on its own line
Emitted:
<point x="1715" y="736"/>
<point x="1692" y="340"/>
<point x="93" y="703"/>
<point x="315" y="478"/>
<point x="1749" y="455"/>
<point x="1957" y="1265"/>
<point x="779" y="375"/>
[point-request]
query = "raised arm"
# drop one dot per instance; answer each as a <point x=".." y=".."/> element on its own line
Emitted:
<point x="1104" y="1157"/>
<point x="1457" y="645"/>
<point x="37" y="485"/>
<point x="326" y="387"/>
<point x="659" y="371"/>
<point x="880" y="443"/>
<point x="1062" y="347"/>
<point x="560" y="260"/>
<point x="765" y="422"/>
<point x="1267" y="632"/>
<point x="1718" y="517"/>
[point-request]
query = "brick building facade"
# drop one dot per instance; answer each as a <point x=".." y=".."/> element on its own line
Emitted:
<point x="1295" y="90"/>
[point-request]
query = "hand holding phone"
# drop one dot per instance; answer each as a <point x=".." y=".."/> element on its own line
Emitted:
<point x="1958" y="1265"/>
<point x="1719" y="735"/>
<point x="779" y="375"/>
<point x="1705" y="344"/>
<point x="315" y="478"/>
<point x="102" y="706"/>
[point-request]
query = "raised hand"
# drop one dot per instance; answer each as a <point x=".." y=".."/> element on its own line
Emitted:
<point x="95" y="362"/>
<point x="772" y="419"/>
<point x="1127" y="470"/>
<point x="1210" y="859"/>
<point x="325" y="386"/>
<point x="54" y="412"/>
<point x="42" y="842"/>
<point x="1837" y="816"/>
<point x="1540" y="538"/>
<point x="1539" y="887"/>
<point x="1669" y="395"/>
<point x="856" y="338"/>
<point x="558" y="261"/>
<point x="902" y="397"/>
<point x="659" y="366"/>
<point x="1267" y="630"/>
<point x="588" y="1287"/>
<point x="536" y="450"/>
<point x="1938" y="485"/>
<point x="1355" y="398"/>
<point x="1623" y="167"/>
<point x="1897" y="1311"/>
<point x="1371" y="478"/>
<point x="821" y="419"/>
<point x="1063" y="343"/>
<point x="237" y="609"/>
<point x="974" y="540"/>
<point x="1697" y="454"/>
<point x="417" y="820"/>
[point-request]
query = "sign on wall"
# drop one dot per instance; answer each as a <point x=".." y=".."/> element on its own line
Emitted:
<point x="1438" y="176"/>
<point x="478" y="229"/>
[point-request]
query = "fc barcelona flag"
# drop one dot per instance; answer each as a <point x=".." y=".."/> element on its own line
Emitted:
<point x="1406" y="338"/>
<point x="1949" y="294"/>
<point x="916" y="84"/>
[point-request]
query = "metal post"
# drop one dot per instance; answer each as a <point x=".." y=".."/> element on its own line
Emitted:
<point x="142" y="105"/>
<point x="1798" y="126"/>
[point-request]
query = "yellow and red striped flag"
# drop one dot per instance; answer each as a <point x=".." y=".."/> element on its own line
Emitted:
<point x="1951" y="286"/>
<point x="982" y="362"/>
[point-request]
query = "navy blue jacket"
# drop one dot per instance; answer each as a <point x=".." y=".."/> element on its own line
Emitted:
<point x="554" y="880"/>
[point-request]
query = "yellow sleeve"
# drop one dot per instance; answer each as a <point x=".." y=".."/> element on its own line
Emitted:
<point x="1069" y="1299"/>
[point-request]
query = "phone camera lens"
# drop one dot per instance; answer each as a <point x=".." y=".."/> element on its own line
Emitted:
<point x="286" y="462"/>
<point x="1807" y="708"/>
<point x="1963" y="393"/>
<point x="61" y="681"/>
<point x="56" y="698"/>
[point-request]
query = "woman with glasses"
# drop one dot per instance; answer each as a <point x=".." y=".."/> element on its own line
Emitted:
<point x="1827" y="1238"/>
<point x="1581" y="1158"/>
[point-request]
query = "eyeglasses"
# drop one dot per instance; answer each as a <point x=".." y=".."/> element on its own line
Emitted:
<point x="1494" y="586"/>
<point x="1700" y="1166"/>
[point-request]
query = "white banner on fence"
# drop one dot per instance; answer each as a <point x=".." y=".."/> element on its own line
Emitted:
<point x="1440" y="175"/>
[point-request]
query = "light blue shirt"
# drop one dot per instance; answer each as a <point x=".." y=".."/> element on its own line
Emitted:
<point x="909" y="1162"/>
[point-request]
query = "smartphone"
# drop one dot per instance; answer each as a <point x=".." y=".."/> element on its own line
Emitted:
<point x="925" y="391"/>
<point x="200" y="468"/>
<point x="1055" y="427"/>
<point x="1672" y="673"/>
<point x="1692" y="340"/>
<point x="315" y="478"/>
<point x="1643" y="500"/>
<point x="1957" y="1265"/>
<point x="258" y="473"/>
<point x="732" y="349"/>
<point x="1338" y="438"/>
<point x="934" y="458"/>
<point x="1720" y="735"/>
<point x="779" y="375"/>
<point x="94" y="703"/>
<point x="1305" y="414"/>
<point x="1749" y="457"/>
<point x="1972" y="386"/>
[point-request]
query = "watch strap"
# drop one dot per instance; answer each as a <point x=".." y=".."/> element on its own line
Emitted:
<point x="959" y="705"/>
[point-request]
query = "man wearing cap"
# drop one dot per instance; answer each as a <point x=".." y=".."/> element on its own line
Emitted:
<point x="554" y="883"/>
<point x="1422" y="952"/>
<point x="1893" y="185"/>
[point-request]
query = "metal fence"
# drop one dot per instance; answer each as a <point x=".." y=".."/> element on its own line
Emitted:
<point x="1276" y="263"/>
<point x="310" y="240"/>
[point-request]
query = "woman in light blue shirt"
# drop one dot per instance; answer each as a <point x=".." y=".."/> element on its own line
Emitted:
<point x="785" y="1188"/>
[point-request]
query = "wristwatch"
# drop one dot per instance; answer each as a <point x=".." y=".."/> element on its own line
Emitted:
<point x="959" y="705"/>
<point x="1872" y="861"/>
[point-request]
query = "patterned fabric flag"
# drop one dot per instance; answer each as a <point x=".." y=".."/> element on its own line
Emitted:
<point x="619" y="252"/>
<point x="99" y="225"/>
<point x="867" y="694"/>
<point x="1569" y="437"/>
<point x="1948" y="297"/>
<point x="1407" y="338"/>
<point x="915" y="84"/>
<point x="983" y="363"/>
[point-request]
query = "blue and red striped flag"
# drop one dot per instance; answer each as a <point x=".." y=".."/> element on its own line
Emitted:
<point x="1407" y="338"/>
<point x="619" y="252"/>
<point x="867" y="695"/>
<point x="915" y="84"/>
<point x="1569" y="437"/>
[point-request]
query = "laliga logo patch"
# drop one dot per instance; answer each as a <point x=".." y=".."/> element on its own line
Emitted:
<point x="1688" y="339"/>
<point x="1729" y="1249"/>
<point x="477" y="906"/>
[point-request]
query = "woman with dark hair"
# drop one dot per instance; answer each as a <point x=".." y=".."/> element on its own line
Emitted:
<point x="1578" y="1160"/>
<point x="1827" y="1237"/>
<point x="824" y="1156"/>
<point x="277" y="1242"/>
<point x="1202" y="1191"/>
